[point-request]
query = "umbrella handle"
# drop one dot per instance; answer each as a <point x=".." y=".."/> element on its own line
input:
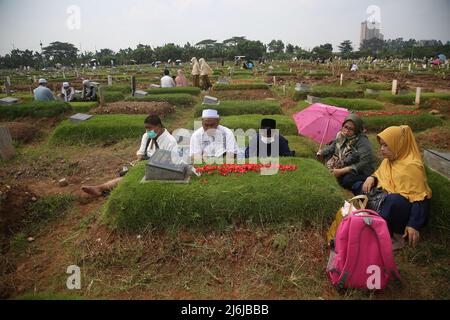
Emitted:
<point x="325" y="133"/>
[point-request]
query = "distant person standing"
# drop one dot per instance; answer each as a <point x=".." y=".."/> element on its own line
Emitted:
<point x="89" y="91"/>
<point x="195" y="72"/>
<point x="181" y="80"/>
<point x="205" y="72"/>
<point x="42" y="93"/>
<point x="167" y="81"/>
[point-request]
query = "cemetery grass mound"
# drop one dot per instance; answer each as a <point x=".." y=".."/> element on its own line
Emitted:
<point x="241" y="86"/>
<point x="330" y="91"/>
<point x="45" y="109"/>
<point x="176" y="99"/>
<point x="309" y="194"/>
<point x="113" y="96"/>
<point x="83" y="107"/>
<point x="285" y="124"/>
<point x="407" y="99"/>
<point x="416" y="122"/>
<point x="235" y="107"/>
<point x="99" y="129"/>
<point x="354" y="104"/>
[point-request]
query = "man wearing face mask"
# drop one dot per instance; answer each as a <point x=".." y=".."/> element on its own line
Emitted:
<point x="155" y="137"/>
<point x="212" y="140"/>
<point x="268" y="142"/>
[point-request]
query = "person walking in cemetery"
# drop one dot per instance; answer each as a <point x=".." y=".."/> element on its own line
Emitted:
<point x="155" y="137"/>
<point x="349" y="157"/>
<point x="167" y="81"/>
<point x="212" y="140"/>
<point x="67" y="92"/>
<point x="181" y="80"/>
<point x="42" y="93"/>
<point x="263" y="144"/>
<point x="195" y="72"/>
<point x="205" y="72"/>
<point x="89" y="91"/>
<point x="401" y="177"/>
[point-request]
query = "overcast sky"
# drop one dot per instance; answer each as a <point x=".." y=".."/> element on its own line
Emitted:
<point x="120" y="24"/>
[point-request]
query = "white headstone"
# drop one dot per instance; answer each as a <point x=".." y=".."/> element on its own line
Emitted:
<point x="8" y="81"/>
<point x="409" y="67"/>
<point x="394" y="87"/>
<point x="274" y="80"/>
<point x="312" y="99"/>
<point x="342" y="79"/>
<point x="110" y="80"/>
<point x="418" y="92"/>
<point x="64" y="75"/>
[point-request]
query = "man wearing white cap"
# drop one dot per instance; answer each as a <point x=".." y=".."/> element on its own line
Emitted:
<point x="67" y="92"/>
<point x="212" y="140"/>
<point x="42" y="93"/>
<point x="89" y="91"/>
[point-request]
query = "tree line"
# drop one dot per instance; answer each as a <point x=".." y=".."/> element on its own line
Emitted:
<point x="67" y="54"/>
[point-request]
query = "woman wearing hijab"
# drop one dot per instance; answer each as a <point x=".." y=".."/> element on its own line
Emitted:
<point x="349" y="157"/>
<point x="181" y="80"/>
<point x="195" y="72"/>
<point x="402" y="176"/>
<point x="205" y="72"/>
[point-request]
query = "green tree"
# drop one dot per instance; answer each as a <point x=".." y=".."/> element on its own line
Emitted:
<point x="346" y="48"/>
<point x="60" y="52"/>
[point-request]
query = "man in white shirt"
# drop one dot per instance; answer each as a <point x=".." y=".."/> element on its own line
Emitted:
<point x="155" y="137"/>
<point x="212" y="140"/>
<point x="167" y="80"/>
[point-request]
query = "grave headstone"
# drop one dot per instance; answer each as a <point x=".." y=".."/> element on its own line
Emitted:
<point x="140" y="93"/>
<point x="110" y="80"/>
<point x="8" y="81"/>
<point x="155" y="86"/>
<point x="371" y="90"/>
<point x="101" y="95"/>
<point x="7" y="150"/>
<point x="394" y="87"/>
<point x="64" y="75"/>
<point x="301" y="87"/>
<point x="274" y="80"/>
<point x="161" y="166"/>
<point x="438" y="161"/>
<point x="312" y="99"/>
<point x="223" y="80"/>
<point x="418" y="92"/>
<point x="8" y="101"/>
<point x="210" y="100"/>
<point x="342" y="79"/>
<point x="80" y="117"/>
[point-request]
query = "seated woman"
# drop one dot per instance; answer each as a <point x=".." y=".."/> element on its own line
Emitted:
<point x="402" y="176"/>
<point x="350" y="156"/>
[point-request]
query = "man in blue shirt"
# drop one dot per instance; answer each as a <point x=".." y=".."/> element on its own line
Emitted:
<point x="42" y="93"/>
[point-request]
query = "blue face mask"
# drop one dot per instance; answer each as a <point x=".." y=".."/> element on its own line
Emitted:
<point x="152" y="134"/>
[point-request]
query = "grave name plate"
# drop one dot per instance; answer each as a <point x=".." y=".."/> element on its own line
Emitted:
<point x="160" y="166"/>
<point x="79" y="117"/>
<point x="210" y="100"/>
<point x="140" y="93"/>
<point x="8" y="101"/>
<point x="312" y="99"/>
<point x="438" y="161"/>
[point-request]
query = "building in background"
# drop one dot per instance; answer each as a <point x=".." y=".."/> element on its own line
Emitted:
<point x="370" y="30"/>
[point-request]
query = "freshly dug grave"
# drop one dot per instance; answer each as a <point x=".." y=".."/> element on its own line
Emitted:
<point x="129" y="107"/>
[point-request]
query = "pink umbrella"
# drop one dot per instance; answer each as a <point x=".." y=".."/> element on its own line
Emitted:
<point x="320" y="122"/>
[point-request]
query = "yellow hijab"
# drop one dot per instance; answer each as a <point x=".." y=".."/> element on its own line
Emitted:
<point x="405" y="173"/>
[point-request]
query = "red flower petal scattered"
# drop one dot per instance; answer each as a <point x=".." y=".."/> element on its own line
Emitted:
<point x="240" y="169"/>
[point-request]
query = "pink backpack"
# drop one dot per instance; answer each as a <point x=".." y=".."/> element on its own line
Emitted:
<point x="362" y="257"/>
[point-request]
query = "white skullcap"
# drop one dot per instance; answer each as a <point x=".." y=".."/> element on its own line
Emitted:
<point x="210" y="114"/>
<point x="66" y="84"/>
<point x="42" y="80"/>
